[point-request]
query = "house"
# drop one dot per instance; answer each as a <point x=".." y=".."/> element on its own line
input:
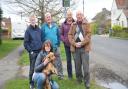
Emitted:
<point x="103" y="20"/>
<point x="119" y="13"/>
<point x="6" y="27"/>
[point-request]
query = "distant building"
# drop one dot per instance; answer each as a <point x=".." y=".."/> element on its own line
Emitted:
<point x="119" y="13"/>
<point x="6" y="27"/>
<point x="103" y="14"/>
<point x="103" y="20"/>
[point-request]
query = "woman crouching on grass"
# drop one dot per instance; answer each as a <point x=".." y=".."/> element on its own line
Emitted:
<point x="39" y="77"/>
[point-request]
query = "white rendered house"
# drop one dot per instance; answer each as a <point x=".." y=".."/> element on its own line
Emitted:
<point x="119" y="13"/>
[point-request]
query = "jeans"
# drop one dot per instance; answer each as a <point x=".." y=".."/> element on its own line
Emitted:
<point x="54" y="85"/>
<point x="32" y="58"/>
<point x="40" y="78"/>
<point x="69" y="61"/>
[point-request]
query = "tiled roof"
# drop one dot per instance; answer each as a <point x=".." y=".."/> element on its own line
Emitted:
<point x="121" y="4"/>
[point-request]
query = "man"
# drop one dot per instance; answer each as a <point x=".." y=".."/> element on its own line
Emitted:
<point x="32" y="43"/>
<point x="50" y="31"/>
<point x="79" y="37"/>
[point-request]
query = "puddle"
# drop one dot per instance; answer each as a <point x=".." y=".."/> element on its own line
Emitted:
<point x="114" y="85"/>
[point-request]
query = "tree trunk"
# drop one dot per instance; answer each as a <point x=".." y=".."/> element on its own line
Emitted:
<point x="0" y="26"/>
<point x="42" y="18"/>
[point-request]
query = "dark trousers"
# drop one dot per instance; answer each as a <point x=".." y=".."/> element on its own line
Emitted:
<point x="32" y="58"/>
<point x="69" y="61"/>
<point x="81" y="59"/>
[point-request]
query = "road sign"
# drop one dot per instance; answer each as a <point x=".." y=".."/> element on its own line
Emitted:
<point x="66" y="3"/>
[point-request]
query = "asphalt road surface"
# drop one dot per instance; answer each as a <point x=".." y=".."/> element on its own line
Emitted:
<point x="111" y="53"/>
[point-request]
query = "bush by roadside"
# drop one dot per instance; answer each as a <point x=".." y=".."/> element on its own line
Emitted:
<point x="118" y="31"/>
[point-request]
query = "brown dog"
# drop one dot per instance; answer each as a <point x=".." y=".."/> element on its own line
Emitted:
<point x="49" y="69"/>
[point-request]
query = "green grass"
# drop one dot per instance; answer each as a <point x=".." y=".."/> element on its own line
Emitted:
<point x="7" y="46"/>
<point x="62" y="51"/>
<point x="24" y="60"/>
<point x="22" y="83"/>
<point x="72" y="84"/>
<point x="18" y="83"/>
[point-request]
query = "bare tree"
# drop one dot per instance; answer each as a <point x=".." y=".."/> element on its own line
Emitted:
<point x="38" y="7"/>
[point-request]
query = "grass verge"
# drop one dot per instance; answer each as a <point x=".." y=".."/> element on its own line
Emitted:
<point x="24" y="60"/>
<point x="7" y="46"/>
<point x="22" y="83"/>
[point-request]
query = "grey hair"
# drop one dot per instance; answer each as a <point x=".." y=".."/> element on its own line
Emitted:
<point x="48" y="13"/>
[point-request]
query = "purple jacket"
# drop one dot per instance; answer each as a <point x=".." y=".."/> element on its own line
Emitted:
<point x="65" y="27"/>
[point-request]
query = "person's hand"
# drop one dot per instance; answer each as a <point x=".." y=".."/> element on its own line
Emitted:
<point x="46" y="61"/>
<point x="78" y="44"/>
<point x="31" y="52"/>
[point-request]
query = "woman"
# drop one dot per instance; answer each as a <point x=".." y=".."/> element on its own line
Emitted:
<point x="65" y="27"/>
<point x="38" y="76"/>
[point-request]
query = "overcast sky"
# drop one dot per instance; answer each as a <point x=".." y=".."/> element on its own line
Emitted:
<point x="92" y="7"/>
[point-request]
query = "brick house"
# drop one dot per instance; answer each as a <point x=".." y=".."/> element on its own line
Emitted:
<point x="6" y="27"/>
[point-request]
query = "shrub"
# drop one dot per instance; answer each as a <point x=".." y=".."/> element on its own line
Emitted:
<point x="94" y="28"/>
<point x="125" y="29"/>
<point x="117" y="28"/>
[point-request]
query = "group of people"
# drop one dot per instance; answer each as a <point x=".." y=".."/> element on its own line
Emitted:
<point x="39" y="42"/>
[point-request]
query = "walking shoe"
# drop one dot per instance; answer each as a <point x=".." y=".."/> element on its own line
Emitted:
<point x="70" y="78"/>
<point x="87" y="87"/>
<point x="32" y="87"/>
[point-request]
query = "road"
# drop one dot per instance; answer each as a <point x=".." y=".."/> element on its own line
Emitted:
<point x="111" y="53"/>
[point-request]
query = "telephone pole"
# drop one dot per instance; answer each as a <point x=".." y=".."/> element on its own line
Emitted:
<point x="83" y="6"/>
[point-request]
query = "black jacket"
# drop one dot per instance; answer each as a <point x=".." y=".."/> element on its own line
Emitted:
<point x="32" y="39"/>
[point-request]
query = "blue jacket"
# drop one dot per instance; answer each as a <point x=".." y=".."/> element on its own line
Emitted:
<point x="51" y="33"/>
<point x="32" y="39"/>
